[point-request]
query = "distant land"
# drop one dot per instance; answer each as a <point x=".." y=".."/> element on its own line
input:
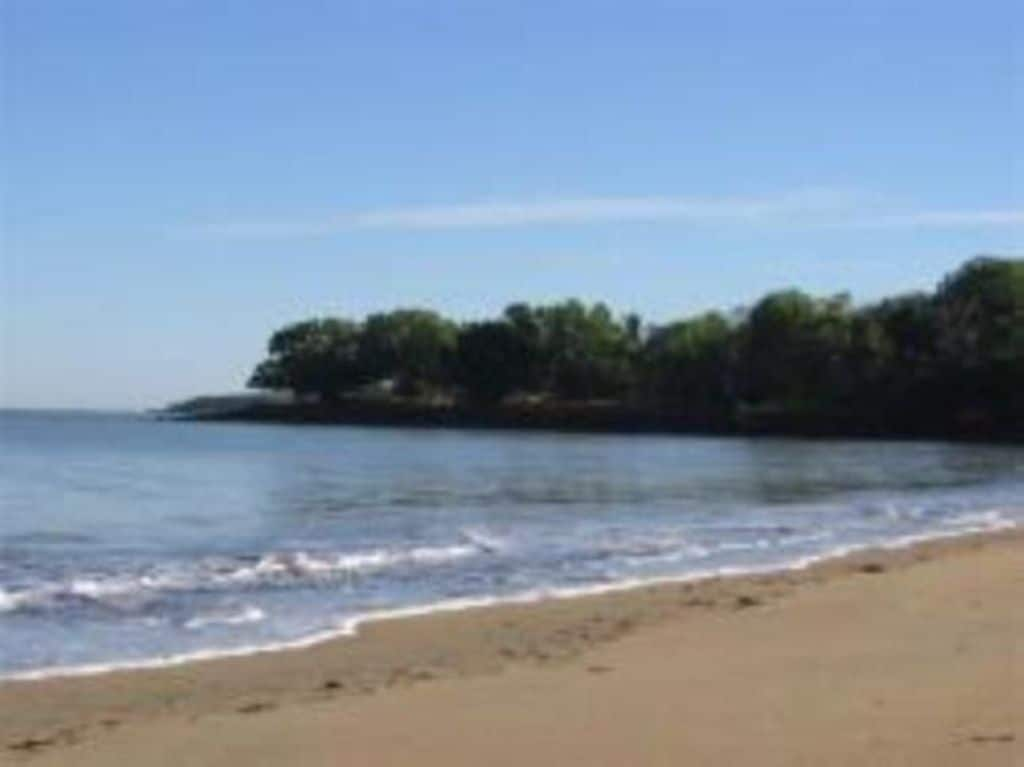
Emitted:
<point x="944" y="364"/>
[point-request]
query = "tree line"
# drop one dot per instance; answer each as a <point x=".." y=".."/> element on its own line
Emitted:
<point x="952" y="358"/>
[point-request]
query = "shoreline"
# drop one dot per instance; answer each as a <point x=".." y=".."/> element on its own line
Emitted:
<point x="399" y="654"/>
<point x="606" y="418"/>
<point x="349" y="628"/>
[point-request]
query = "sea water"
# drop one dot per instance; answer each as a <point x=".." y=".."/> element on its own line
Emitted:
<point x="130" y="541"/>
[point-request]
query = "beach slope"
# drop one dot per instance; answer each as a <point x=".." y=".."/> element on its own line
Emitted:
<point x="911" y="657"/>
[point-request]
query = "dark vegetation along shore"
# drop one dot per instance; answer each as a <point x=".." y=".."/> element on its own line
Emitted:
<point x="944" y="364"/>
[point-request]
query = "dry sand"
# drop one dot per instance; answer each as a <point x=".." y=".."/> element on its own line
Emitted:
<point x="912" y="657"/>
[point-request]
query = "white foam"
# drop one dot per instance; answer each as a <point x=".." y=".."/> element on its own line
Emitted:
<point x="991" y="518"/>
<point x="91" y="588"/>
<point x="300" y="563"/>
<point x="16" y="600"/>
<point x="297" y="565"/>
<point x="8" y="601"/>
<point x="247" y="614"/>
<point x="988" y="521"/>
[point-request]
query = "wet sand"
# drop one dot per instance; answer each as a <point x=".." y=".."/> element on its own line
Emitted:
<point x="909" y="657"/>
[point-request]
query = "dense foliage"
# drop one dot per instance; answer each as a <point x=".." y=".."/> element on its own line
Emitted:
<point x="954" y="358"/>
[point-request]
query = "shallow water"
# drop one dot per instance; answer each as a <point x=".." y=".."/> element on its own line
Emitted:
<point x="125" y="540"/>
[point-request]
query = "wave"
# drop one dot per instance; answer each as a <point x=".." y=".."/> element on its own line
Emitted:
<point x="980" y="522"/>
<point x="648" y="550"/>
<point x="300" y="563"/>
<point x="281" y="569"/>
<point x="994" y="519"/>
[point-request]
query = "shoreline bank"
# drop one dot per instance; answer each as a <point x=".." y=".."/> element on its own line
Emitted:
<point x="400" y="655"/>
<point x="611" y="418"/>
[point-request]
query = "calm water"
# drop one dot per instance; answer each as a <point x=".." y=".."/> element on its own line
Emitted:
<point x="124" y="539"/>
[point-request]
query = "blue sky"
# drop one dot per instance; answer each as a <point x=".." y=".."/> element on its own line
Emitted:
<point x="180" y="177"/>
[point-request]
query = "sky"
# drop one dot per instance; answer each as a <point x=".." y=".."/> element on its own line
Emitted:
<point x="178" y="178"/>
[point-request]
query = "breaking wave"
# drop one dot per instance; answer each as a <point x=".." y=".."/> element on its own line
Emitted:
<point x="280" y="569"/>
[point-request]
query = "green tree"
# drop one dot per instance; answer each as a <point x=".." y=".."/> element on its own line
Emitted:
<point x="794" y="349"/>
<point x="316" y="356"/>
<point x="918" y="363"/>
<point x="870" y="357"/>
<point x="688" y="365"/>
<point x="492" y="360"/>
<point x="586" y="352"/>
<point x="909" y="325"/>
<point x="413" y="347"/>
<point x="527" y="326"/>
<point x="979" y="315"/>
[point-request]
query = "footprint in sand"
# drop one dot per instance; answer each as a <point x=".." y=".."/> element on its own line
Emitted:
<point x="255" y="708"/>
<point x="1002" y="737"/>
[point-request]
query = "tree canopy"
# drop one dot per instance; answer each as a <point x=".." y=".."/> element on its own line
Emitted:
<point x="410" y="347"/>
<point x="954" y="356"/>
<point x="318" y="356"/>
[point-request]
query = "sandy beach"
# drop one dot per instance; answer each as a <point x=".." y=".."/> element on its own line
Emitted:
<point x="900" y="657"/>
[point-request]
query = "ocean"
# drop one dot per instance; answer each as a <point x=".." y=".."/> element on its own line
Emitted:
<point x="130" y="541"/>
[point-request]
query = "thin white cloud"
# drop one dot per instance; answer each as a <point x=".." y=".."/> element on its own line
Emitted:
<point x="590" y="210"/>
<point x="939" y="219"/>
<point x="807" y="208"/>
